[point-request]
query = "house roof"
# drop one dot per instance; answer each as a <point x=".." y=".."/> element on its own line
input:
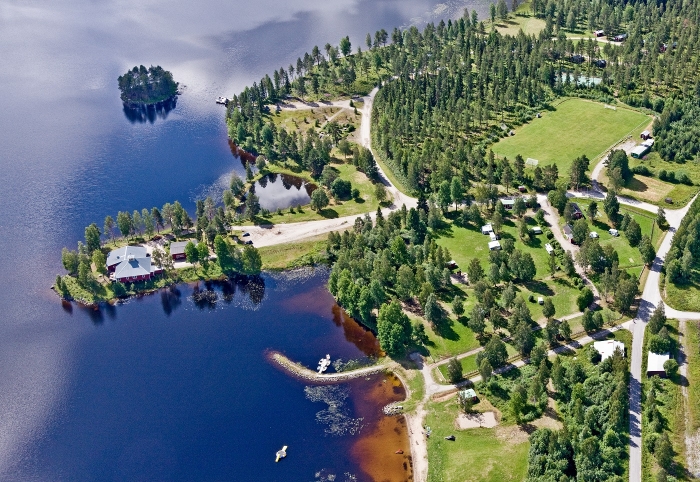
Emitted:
<point x="640" y="150"/>
<point x="567" y="230"/>
<point x="655" y="361"/>
<point x="494" y="244"/>
<point x="575" y="207"/>
<point x="548" y="247"/>
<point x="178" y="247"/>
<point x="467" y="393"/>
<point x="646" y="133"/>
<point x="508" y="202"/>
<point x="648" y="142"/>
<point x="536" y="230"/>
<point x="118" y="255"/>
<point x="607" y="348"/>
<point x="134" y="267"/>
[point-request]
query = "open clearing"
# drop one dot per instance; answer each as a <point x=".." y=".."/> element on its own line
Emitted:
<point x="575" y="127"/>
<point x="476" y="420"/>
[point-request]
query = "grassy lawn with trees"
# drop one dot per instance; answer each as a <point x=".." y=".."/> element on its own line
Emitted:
<point x="575" y="127"/>
<point x="654" y="190"/>
<point x="293" y="255"/>
<point x="478" y="454"/>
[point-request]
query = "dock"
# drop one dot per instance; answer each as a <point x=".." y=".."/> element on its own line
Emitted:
<point x="323" y="364"/>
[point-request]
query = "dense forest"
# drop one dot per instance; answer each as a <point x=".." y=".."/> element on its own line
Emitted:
<point x="142" y="86"/>
<point x="452" y="89"/>
<point x="685" y="247"/>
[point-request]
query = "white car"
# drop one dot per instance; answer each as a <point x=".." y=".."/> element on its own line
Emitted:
<point x="593" y="234"/>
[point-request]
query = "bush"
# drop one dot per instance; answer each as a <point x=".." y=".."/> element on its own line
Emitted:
<point x="454" y="370"/>
<point x="671" y="367"/>
<point x="548" y="233"/>
<point x="642" y="171"/>
<point x="341" y="189"/>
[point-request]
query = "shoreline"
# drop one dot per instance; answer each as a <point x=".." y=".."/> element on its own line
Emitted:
<point x="299" y="371"/>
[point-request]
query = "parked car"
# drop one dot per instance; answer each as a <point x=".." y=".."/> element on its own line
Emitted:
<point x="245" y="234"/>
<point x="249" y="242"/>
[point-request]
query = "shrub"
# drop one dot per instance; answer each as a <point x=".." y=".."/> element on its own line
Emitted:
<point x="585" y="298"/>
<point x="548" y="233"/>
<point x="642" y="171"/>
<point x="454" y="370"/>
<point x="671" y="367"/>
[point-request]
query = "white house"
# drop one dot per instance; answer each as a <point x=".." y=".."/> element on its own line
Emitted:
<point x="655" y="364"/>
<point x="607" y="348"/>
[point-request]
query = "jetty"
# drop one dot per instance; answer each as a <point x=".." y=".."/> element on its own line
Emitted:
<point x="302" y="372"/>
<point x="323" y="364"/>
<point x="282" y="453"/>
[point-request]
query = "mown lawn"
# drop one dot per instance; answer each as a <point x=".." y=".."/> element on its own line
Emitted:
<point x="629" y="256"/>
<point x="478" y="454"/>
<point x="692" y="352"/>
<point x="574" y="128"/>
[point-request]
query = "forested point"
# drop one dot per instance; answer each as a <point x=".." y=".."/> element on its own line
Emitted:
<point x="142" y="86"/>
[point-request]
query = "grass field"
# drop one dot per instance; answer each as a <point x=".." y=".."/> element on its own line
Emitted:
<point x="574" y="128"/>
<point x="480" y="454"/>
<point x="685" y="297"/>
<point x="629" y="256"/>
<point x="692" y="351"/>
<point x="292" y="255"/>
<point x="652" y="190"/>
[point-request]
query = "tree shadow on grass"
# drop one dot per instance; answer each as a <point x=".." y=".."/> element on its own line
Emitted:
<point x="328" y="213"/>
<point x="444" y="230"/>
<point x="359" y="200"/>
<point x="539" y="287"/>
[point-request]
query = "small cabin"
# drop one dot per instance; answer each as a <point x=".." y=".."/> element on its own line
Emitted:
<point x="577" y="214"/>
<point x="494" y="245"/>
<point x="522" y="189"/>
<point x="451" y="264"/>
<point x="536" y="230"/>
<point x="177" y="249"/>
<point x="548" y="247"/>
<point x="655" y="364"/>
<point x="508" y="203"/>
<point x="645" y="135"/>
<point x="486" y="229"/>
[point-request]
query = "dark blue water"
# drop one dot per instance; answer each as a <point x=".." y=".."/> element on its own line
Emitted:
<point x="151" y="390"/>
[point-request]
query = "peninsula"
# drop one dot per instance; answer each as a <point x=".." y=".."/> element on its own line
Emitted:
<point x="143" y="86"/>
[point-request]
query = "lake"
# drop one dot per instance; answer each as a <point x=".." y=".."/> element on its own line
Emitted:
<point x="158" y="388"/>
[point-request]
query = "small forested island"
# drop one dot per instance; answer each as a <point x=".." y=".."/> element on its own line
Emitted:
<point x="143" y="86"/>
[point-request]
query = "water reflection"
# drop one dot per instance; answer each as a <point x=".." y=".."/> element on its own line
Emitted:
<point x="142" y="114"/>
<point x="281" y="191"/>
<point x="170" y="299"/>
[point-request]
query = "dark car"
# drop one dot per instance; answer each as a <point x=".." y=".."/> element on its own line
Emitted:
<point x="249" y="242"/>
<point x="245" y="234"/>
<point x="578" y="59"/>
<point x="601" y="63"/>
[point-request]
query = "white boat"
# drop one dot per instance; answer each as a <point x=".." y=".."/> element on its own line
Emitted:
<point x="282" y="453"/>
<point x="222" y="100"/>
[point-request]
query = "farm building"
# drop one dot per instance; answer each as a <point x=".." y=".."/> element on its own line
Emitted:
<point x="655" y="364"/>
<point x="130" y="264"/>
<point x="486" y="229"/>
<point x="645" y="135"/>
<point x="577" y="214"/>
<point x="494" y="245"/>
<point x="607" y="348"/>
<point x="639" y="151"/>
<point x="177" y="249"/>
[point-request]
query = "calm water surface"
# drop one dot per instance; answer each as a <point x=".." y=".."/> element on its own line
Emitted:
<point x="159" y="388"/>
<point x="280" y="191"/>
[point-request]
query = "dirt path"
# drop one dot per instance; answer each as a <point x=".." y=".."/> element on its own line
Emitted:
<point x="692" y="439"/>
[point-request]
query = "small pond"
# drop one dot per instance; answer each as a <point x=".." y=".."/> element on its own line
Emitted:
<point x="281" y="191"/>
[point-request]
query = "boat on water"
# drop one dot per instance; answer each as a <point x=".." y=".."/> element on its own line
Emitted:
<point x="282" y="453"/>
